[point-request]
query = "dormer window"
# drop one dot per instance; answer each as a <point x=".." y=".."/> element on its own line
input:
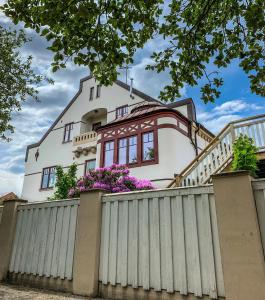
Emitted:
<point x="91" y="96"/>
<point x="68" y="131"/>
<point x="121" y="111"/>
<point x="98" y="91"/>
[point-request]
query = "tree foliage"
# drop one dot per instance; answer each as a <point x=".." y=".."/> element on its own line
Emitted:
<point x="245" y="157"/>
<point x="199" y="37"/>
<point x="17" y="79"/>
<point x="64" y="182"/>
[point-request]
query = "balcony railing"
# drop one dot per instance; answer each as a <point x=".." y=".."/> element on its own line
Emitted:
<point x="85" y="138"/>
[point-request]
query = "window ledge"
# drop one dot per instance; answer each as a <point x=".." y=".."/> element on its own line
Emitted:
<point x="66" y="142"/>
<point x="45" y="189"/>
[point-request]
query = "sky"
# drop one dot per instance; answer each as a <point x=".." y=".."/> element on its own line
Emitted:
<point x="33" y="121"/>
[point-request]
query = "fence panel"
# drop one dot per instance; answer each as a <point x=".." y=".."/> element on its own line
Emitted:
<point x="163" y="239"/>
<point x="259" y="194"/>
<point x="1" y="211"/>
<point x="44" y="239"/>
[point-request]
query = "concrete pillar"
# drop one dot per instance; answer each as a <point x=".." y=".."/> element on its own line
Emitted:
<point x="7" y="233"/>
<point x="240" y="242"/>
<point x="87" y="244"/>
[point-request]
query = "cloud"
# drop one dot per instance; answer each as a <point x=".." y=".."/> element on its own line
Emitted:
<point x="9" y="179"/>
<point x="219" y="116"/>
<point x="4" y="19"/>
<point x="150" y="82"/>
<point x="235" y="106"/>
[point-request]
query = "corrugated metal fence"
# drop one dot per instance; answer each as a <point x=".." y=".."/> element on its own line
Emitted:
<point x="259" y="194"/>
<point x="164" y="239"/>
<point x="44" y="239"/>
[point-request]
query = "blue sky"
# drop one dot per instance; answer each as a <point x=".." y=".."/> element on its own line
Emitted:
<point x="33" y="121"/>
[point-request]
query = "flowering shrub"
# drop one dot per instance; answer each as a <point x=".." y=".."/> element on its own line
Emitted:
<point x="114" y="179"/>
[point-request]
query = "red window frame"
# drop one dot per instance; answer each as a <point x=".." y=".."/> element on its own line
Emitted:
<point x="85" y="170"/>
<point x="114" y="151"/>
<point x="121" y="111"/>
<point x="67" y="132"/>
<point x="143" y="143"/>
<point x="140" y="162"/>
<point x="49" y="177"/>
<point x="127" y="138"/>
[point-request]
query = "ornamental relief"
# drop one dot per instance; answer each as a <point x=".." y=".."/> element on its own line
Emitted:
<point x="129" y="129"/>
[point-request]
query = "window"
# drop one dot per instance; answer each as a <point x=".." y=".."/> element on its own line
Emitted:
<point x="90" y="165"/>
<point x="48" y="178"/>
<point x="133" y="149"/>
<point x="140" y="149"/>
<point x="91" y="96"/>
<point x="95" y="126"/>
<point x="148" y="146"/>
<point x="127" y="153"/>
<point x="68" y="129"/>
<point x="121" y="111"/>
<point x="98" y="91"/>
<point x="109" y="153"/>
<point x="122" y="151"/>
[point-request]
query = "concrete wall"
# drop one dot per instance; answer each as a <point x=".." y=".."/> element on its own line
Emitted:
<point x="239" y="234"/>
<point x="259" y="195"/>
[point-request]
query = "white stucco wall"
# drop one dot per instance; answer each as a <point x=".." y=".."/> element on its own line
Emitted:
<point x="175" y="149"/>
<point x="53" y="152"/>
<point x="202" y="143"/>
<point x="182" y="109"/>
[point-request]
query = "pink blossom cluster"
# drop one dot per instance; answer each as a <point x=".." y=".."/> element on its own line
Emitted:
<point x="114" y="179"/>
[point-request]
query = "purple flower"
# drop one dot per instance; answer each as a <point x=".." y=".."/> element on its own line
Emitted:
<point x="115" y="179"/>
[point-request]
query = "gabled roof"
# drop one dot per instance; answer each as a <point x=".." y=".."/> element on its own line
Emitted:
<point x="8" y="196"/>
<point x="118" y="82"/>
<point x="188" y="102"/>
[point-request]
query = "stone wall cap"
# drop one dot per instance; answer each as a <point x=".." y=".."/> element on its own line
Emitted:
<point x="95" y="190"/>
<point x="232" y="174"/>
<point x="15" y="200"/>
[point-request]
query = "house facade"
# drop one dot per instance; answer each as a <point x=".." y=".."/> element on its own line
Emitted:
<point x="116" y="124"/>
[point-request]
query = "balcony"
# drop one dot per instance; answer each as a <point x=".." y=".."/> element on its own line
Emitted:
<point x="85" y="138"/>
<point x="85" y="143"/>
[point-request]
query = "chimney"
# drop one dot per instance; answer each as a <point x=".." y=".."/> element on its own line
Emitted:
<point x="131" y="88"/>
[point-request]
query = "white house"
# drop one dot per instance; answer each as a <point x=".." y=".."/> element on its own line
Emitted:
<point x="115" y="124"/>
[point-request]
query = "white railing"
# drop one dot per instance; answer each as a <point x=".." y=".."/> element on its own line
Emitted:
<point x="85" y="138"/>
<point x="44" y="239"/>
<point x="259" y="195"/>
<point x="218" y="154"/>
<point x="162" y="240"/>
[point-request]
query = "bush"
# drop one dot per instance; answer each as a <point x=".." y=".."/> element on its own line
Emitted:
<point x="245" y="155"/>
<point x="64" y="182"/>
<point x="114" y="179"/>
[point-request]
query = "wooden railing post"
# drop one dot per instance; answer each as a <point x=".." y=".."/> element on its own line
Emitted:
<point x="233" y="133"/>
